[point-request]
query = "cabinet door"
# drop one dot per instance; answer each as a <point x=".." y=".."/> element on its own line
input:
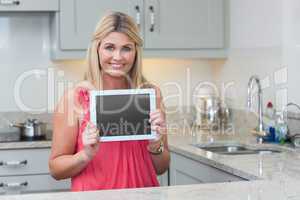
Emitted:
<point x="28" y="5"/>
<point x="178" y="24"/>
<point x="32" y="183"/>
<point x="78" y="19"/>
<point x="163" y="179"/>
<point x="24" y="161"/>
<point x="187" y="171"/>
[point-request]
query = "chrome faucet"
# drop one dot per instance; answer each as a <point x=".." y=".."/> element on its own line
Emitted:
<point x="253" y="79"/>
<point x="284" y="114"/>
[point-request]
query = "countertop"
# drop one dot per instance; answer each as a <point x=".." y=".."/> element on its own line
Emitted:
<point x="255" y="190"/>
<point x="251" y="167"/>
<point x="273" y="176"/>
<point x="25" y="145"/>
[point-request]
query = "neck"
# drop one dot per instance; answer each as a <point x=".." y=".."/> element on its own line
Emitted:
<point x="111" y="82"/>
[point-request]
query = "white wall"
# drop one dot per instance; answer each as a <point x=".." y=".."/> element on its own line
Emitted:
<point x="178" y="79"/>
<point x="291" y="47"/>
<point x="255" y="47"/>
<point x="24" y="46"/>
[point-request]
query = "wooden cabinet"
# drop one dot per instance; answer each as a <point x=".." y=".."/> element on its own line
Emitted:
<point x="26" y="171"/>
<point x="29" y="5"/>
<point x="184" y="171"/>
<point x="169" y="28"/>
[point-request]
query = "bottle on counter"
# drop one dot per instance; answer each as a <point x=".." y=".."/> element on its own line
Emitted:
<point x="269" y="123"/>
<point x="281" y="129"/>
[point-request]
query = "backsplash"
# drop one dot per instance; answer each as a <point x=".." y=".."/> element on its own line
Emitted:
<point x="242" y="121"/>
<point x="177" y="117"/>
<point x="19" y="117"/>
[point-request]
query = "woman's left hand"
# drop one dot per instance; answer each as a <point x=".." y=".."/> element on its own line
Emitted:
<point x="158" y="124"/>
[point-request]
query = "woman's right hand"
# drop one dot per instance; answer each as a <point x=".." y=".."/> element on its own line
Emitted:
<point x="90" y="140"/>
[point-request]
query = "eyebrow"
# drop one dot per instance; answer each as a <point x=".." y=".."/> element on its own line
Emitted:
<point x="128" y="44"/>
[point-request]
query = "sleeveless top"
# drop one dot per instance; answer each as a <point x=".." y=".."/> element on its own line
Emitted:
<point x="116" y="165"/>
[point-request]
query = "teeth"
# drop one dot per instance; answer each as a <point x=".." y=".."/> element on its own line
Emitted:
<point x="116" y="65"/>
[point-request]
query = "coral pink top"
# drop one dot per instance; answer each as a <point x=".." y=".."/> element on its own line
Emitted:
<point x="125" y="164"/>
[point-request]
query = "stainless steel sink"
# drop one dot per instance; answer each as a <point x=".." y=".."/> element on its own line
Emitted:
<point x="236" y="149"/>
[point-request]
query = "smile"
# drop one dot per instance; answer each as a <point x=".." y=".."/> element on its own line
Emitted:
<point x="115" y="65"/>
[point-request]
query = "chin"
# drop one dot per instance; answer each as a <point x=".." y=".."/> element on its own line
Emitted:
<point x="117" y="73"/>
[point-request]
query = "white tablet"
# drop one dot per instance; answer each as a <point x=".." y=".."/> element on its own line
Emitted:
<point x="123" y="114"/>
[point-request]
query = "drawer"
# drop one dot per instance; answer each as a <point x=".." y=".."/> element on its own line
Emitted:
<point x="32" y="183"/>
<point x="24" y="161"/>
<point x="29" y="5"/>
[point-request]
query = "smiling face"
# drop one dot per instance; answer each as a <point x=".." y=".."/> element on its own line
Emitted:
<point x="117" y="54"/>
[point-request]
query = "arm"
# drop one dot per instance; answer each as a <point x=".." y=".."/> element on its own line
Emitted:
<point x="63" y="163"/>
<point x="158" y="122"/>
<point x="161" y="161"/>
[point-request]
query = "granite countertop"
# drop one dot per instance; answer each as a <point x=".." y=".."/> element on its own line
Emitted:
<point x="252" y="166"/>
<point x="273" y="176"/>
<point x="25" y="145"/>
<point x="254" y="190"/>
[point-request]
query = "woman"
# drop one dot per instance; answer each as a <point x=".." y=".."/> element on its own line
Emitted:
<point x="114" y="62"/>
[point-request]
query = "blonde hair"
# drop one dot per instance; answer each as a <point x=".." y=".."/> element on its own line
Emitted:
<point x="114" y="22"/>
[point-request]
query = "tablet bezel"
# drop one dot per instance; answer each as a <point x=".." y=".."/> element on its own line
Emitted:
<point x="93" y="114"/>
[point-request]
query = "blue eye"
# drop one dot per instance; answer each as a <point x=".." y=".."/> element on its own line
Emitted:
<point x="126" y="49"/>
<point x="109" y="48"/>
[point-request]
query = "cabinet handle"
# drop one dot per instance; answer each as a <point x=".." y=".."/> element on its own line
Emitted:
<point x="152" y="18"/>
<point x="10" y="2"/>
<point x="13" y="163"/>
<point x="138" y="15"/>
<point x="13" y="185"/>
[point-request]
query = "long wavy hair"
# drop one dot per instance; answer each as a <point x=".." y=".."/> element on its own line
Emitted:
<point x="114" y="22"/>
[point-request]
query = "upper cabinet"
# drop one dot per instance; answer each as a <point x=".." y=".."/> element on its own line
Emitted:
<point x="78" y="19"/>
<point x="29" y="5"/>
<point x="178" y="24"/>
<point x="191" y="28"/>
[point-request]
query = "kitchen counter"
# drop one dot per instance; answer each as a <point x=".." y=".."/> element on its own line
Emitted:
<point x="274" y="166"/>
<point x="255" y="190"/>
<point x="25" y="145"/>
<point x="273" y="176"/>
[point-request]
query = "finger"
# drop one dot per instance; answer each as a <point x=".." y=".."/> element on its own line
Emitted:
<point x="91" y="141"/>
<point x="157" y="138"/>
<point x="154" y="112"/>
<point x="91" y="125"/>
<point x="158" y="121"/>
<point x="155" y="116"/>
<point x="93" y="130"/>
<point x="89" y="134"/>
<point x="159" y="130"/>
<point x="92" y="136"/>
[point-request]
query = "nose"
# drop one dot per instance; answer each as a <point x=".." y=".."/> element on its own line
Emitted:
<point x="117" y="55"/>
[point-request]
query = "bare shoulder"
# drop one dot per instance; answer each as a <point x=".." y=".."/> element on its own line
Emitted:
<point x="85" y="85"/>
<point x="73" y="97"/>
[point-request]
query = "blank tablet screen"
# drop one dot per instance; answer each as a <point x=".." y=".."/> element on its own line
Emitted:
<point x="124" y="114"/>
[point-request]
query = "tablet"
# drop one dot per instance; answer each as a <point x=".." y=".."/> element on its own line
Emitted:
<point x="123" y="114"/>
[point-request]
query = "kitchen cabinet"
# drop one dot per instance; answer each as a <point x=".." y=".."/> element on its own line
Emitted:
<point x="26" y="171"/>
<point x="163" y="179"/>
<point x="29" y="5"/>
<point x="184" y="170"/>
<point x="177" y="28"/>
